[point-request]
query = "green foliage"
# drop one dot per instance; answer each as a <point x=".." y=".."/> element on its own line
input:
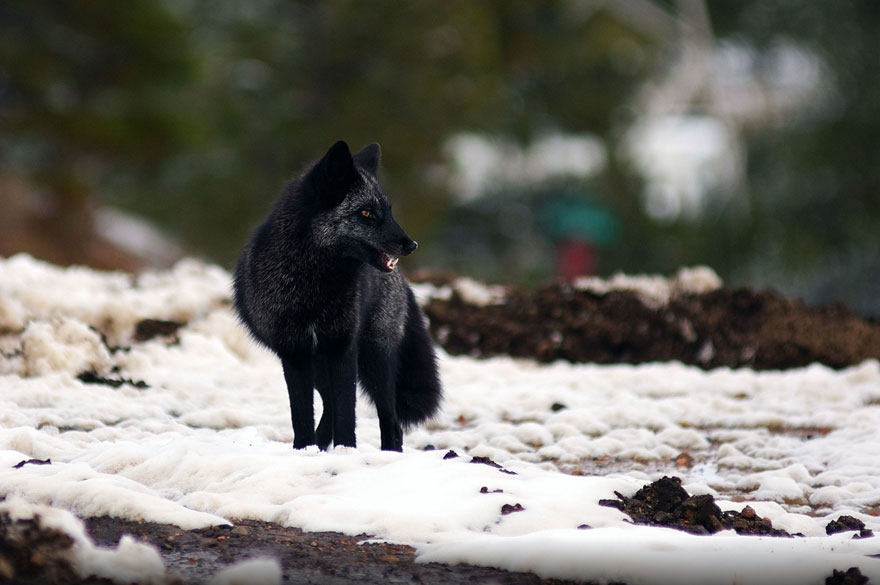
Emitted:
<point x="815" y="181"/>
<point x="195" y="113"/>
<point x="91" y="79"/>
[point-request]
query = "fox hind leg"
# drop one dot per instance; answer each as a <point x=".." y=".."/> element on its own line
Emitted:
<point x="390" y="428"/>
<point x="377" y="373"/>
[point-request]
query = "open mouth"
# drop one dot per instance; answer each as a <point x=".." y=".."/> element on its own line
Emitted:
<point x="388" y="262"/>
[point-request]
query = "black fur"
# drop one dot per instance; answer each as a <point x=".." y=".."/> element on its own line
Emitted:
<point x="318" y="285"/>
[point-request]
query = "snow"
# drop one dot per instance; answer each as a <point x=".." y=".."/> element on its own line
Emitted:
<point x="660" y="556"/>
<point x="261" y="571"/>
<point x="208" y="442"/>
<point x="655" y="291"/>
<point x="470" y="291"/>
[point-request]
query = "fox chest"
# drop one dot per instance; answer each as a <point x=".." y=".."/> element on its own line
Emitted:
<point x="318" y="322"/>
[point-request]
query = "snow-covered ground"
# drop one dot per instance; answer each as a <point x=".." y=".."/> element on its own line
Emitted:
<point x="208" y="441"/>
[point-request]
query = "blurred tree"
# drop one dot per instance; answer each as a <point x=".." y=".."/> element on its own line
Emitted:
<point x="815" y="179"/>
<point x="282" y="80"/>
<point x="85" y="87"/>
<point x="193" y="113"/>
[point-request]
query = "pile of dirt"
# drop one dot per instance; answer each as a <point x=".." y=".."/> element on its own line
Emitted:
<point x="665" y="503"/>
<point x="30" y="553"/>
<point x="734" y="327"/>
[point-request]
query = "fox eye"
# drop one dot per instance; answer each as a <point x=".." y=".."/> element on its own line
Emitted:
<point x="366" y="213"/>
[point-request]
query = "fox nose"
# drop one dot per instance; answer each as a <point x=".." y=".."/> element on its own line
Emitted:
<point x="410" y="247"/>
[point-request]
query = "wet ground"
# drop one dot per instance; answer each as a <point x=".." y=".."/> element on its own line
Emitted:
<point x="318" y="558"/>
<point x="726" y="327"/>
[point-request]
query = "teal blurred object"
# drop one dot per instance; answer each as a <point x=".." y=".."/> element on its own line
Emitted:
<point x="578" y="217"/>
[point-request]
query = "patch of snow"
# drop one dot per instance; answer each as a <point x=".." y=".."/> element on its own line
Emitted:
<point x="477" y="293"/>
<point x="638" y="555"/>
<point x="470" y="291"/>
<point x="62" y="344"/>
<point x="110" y="302"/>
<point x="261" y="571"/>
<point x="207" y="441"/>
<point x="424" y="292"/>
<point x="654" y="290"/>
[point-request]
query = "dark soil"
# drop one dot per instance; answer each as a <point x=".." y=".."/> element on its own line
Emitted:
<point x="727" y="327"/>
<point x="319" y="558"/>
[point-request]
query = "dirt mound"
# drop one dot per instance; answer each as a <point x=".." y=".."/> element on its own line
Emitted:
<point x="31" y="553"/>
<point x="737" y="327"/>
<point x="665" y="503"/>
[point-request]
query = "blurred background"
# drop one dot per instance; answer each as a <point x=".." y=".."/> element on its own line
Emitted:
<point x="523" y="141"/>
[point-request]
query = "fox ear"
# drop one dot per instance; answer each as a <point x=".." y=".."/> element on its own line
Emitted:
<point x="334" y="174"/>
<point x="368" y="157"/>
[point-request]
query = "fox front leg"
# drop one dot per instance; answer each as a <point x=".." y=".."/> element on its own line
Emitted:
<point x="324" y="433"/>
<point x="300" y="377"/>
<point x="342" y="392"/>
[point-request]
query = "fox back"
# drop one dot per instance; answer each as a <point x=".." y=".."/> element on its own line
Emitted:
<point x="318" y="284"/>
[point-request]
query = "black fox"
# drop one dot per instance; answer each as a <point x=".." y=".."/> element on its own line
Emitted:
<point x="317" y="285"/>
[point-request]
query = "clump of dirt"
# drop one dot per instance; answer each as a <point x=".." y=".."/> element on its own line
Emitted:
<point x="733" y="327"/>
<point x="24" y="462"/>
<point x="91" y="377"/>
<point x="489" y="462"/>
<point x="147" y="329"/>
<point x="665" y="503"/>
<point x="852" y="576"/>
<point x="846" y="523"/>
<point x="30" y="553"/>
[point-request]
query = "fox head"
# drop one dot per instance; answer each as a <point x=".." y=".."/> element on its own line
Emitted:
<point x="352" y="214"/>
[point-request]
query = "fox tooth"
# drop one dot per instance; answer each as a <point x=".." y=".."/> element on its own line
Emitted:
<point x="392" y="262"/>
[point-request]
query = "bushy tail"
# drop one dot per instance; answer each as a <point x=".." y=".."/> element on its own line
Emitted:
<point x="418" y="383"/>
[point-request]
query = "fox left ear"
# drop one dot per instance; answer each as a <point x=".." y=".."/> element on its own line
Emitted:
<point x="334" y="174"/>
<point x="368" y="157"/>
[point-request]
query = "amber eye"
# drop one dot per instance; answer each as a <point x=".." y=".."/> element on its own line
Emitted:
<point x="366" y="212"/>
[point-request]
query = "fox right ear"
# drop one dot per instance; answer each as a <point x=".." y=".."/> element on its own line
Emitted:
<point x="368" y="158"/>
<point x="334" y="174"/>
